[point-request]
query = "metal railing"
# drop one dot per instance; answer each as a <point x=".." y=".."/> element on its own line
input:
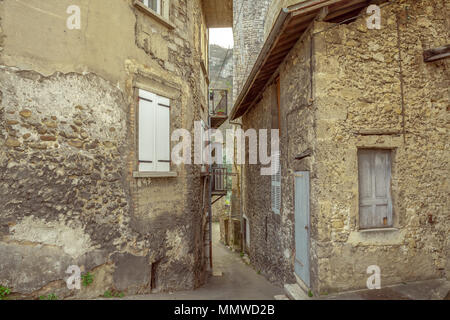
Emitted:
<point x="218" y="102"/>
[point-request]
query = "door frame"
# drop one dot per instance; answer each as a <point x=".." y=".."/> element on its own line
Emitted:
<point x="298" y="174"/>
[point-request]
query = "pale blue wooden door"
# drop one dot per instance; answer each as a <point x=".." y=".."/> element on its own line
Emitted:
<point x="302" y="226"/>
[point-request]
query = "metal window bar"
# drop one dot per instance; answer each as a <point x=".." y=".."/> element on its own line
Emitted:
<point x="220" y="179"/>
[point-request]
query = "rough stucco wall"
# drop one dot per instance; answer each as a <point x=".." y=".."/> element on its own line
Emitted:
<point x="358" y="88"/>
<point x="63" y="188"/>
<point x="68" y="148"/>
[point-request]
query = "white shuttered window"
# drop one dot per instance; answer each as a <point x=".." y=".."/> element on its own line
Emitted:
<point x="276" y="186"/>
<point x="375" y="202"/>
<point x="154" y="132"/>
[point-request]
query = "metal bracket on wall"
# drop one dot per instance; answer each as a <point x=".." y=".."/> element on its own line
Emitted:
<point x="218" y="199"/>
<point x="304" y="155"/>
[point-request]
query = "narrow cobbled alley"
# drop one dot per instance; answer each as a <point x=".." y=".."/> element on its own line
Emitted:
<point x="238" y="280"/>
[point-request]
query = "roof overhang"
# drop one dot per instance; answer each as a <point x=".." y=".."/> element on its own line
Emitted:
<point x="291" y="24"/>
<point x="218" y="13"/>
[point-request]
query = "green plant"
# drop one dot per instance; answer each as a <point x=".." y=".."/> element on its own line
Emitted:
<point x="259" y="271"/>
<point x="242" y="254"/>
<point x="87" y="279"/>
<point x="51" y="296"/>
<point x="4" y="292"/>
<point x="110" y="294"/>
<point x="310" y="294"/>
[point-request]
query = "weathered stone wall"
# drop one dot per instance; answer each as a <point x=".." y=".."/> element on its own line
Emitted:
<point x="358" y="89"/>
<point x="355" y="90"/>
<point x="220" y="209"/>
<point x="272" y="244"/>
<point x="273" y="12"/>
<point x="248" y="31"/>
<point x="68" y="148"/>
<point x="64" y="197"/>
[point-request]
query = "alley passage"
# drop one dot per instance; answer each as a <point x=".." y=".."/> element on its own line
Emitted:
<point x="238" y="282"/>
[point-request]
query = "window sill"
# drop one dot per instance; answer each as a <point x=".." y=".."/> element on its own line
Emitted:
<point x="377" y="237"/>
<point x="165" y="22"/>
<point x="378" y="230"/>
<point x="171" y="174"/>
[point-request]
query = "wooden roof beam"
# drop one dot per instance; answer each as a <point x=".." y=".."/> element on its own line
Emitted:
<point x="435" y="54"/>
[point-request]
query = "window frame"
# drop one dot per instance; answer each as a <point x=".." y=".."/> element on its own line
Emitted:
<point x="389" y="187"/>
<point x="158" y="6"/>
<point x="163" y="17"/>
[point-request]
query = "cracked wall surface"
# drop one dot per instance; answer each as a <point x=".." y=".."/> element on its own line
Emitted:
<point x="344" y="96"/>
<point x="68" y="148"/>
<point x="358" y="86"/>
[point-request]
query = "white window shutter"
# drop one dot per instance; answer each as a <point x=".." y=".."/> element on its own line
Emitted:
<point x="147" y="95"/>
<point x="276" y="186"/>
<point x="146" y="131"/>
<point x="154" y="132"/>
<point x="163" y="134"/>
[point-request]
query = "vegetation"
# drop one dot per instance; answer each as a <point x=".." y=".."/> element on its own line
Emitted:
<point x="4" y="292"/>
<point x="87" y="279"/>
<point x="51" y="296"/>
<point x="111" y="294"/>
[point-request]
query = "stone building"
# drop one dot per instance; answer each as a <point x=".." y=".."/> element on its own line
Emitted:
<point x="248" y="33"/>
<point x="86" y="111"/>
<point x="363" y="122"/>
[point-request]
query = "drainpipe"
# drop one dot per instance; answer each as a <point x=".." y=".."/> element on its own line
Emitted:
<point x="211" y="180"/>
<point x="210" y="166"/>
<point x="241" y="206"/>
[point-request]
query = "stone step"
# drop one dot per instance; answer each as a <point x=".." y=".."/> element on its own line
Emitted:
<point x="281" y="297"/>
<point x="294" y="292"/>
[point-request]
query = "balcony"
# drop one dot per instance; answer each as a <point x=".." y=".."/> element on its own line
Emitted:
<point x="218" y="107"/>
<point x="221" y="183"/>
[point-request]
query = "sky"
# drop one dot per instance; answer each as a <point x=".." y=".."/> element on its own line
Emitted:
<point x="222" y="37"/>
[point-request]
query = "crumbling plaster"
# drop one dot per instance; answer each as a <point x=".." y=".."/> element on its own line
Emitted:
<point x="67" y="135"/>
